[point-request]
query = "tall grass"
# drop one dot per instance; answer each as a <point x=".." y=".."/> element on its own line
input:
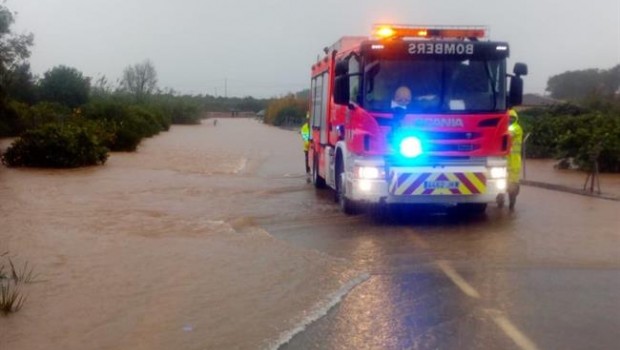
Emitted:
<point x="12" y="278"/>
<point x="11" y="297"/>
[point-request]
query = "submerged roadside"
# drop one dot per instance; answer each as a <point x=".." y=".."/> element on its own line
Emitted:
<point x="159" y="249"/>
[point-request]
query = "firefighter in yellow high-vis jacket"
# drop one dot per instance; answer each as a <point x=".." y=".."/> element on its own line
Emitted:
<point x="514" y="158"/>
<point x="305" y="135"/>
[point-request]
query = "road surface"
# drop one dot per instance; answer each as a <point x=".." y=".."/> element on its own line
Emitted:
<point x="209" y="237"/>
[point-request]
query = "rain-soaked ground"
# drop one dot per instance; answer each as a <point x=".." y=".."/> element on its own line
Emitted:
<point x="209" y="238"/>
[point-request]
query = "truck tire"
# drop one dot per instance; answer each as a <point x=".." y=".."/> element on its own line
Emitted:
<point x="317" y="180"/>
<point x="347" y="206"/>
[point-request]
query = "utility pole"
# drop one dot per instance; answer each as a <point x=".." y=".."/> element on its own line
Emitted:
<point x="226" y="87"/>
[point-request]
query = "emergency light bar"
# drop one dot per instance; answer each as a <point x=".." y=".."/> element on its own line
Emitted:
<point x="392" y="31"/>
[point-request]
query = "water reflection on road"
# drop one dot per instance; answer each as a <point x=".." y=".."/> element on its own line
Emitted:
<point x="210" y="238"/>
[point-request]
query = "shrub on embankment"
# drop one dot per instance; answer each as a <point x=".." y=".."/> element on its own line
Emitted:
<point x="575" y="135"/>
<point x="182" y="110"/>
<point x="126" y="124"/>
<point x="57" y="146"/>
<point x="52" y="135"/>
<point x="286" y="111"/>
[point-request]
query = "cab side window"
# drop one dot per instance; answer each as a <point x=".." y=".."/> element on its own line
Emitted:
<point x="355" y="92"/>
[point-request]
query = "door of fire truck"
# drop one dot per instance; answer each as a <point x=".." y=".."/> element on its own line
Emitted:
<point x="319" y="135"/>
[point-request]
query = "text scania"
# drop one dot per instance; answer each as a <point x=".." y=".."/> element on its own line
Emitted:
<point x="440" y="122"/>
<point x="441" y="49"/>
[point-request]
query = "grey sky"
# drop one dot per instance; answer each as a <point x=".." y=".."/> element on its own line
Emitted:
<point x="266" y="47"/>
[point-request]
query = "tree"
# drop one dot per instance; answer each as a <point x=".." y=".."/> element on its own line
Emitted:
<point x="65" y="85"/>
<point x="140" y="80"/>
<point x="20" y="85"/>
<point x="101" y="87"/>
<point x="577" y="85"/>
<point x="287" y="110"/>
<point x="14" y="49"/>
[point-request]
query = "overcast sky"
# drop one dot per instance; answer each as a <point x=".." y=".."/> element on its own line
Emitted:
<point x="265" y="48"/>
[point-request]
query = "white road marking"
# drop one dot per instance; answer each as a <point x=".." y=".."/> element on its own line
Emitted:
<point x="520" y="339"/>
<point x="320" y="310"/>
<point x="457" y="279"/>
<point x="513" y="332"/>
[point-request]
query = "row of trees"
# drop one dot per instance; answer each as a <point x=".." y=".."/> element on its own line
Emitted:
<point x="586" y="127"/>
<point x="576" y="134"/>
<point x="65" y="120"/>
<point x="287" y="111"/>
<point x="583" y="84"/>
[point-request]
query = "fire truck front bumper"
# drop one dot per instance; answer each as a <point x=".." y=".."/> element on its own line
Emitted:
<point x="431" y="185"/>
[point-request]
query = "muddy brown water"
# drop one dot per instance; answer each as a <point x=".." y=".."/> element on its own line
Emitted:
<point x="160" y="249"/>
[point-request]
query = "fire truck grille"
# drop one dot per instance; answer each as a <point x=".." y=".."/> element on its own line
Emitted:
<point x="461" y="147"/>
<point x="445" y="135"/>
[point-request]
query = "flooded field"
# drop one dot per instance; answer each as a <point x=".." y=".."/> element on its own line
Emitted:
<point x="160" y="249"/>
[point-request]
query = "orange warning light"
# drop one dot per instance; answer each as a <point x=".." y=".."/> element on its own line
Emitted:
<point x="389" y="31"/>
<point x="385" y="32"/>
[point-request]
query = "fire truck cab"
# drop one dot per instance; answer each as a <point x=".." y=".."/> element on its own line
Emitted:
<point x="414" y="114"/>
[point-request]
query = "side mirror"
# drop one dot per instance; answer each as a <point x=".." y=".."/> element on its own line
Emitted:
<point x="341" y="90"/>
<point x="520" y="69"/>
<point x="516" y="91"/>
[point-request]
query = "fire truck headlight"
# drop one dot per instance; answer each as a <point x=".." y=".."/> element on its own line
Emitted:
<point x="369" y="172"/>
<point x="498" y="173"/>
<point x="501" y="185"/>
<point x="365" y="185"/>
<point x="410" y="147"/>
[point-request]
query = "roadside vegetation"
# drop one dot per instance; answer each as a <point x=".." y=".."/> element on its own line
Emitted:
<point x="12" y="281"/>
<point x="584" y="129"/>
<point x="64" y="119"/>
<point x="289" y="110"/>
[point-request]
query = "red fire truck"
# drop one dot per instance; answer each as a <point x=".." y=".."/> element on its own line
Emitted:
<point x="413" y="114"/>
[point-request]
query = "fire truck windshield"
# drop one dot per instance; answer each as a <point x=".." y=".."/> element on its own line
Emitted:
<point x="435" y="86"/>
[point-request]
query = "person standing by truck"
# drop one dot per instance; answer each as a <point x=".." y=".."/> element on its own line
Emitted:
<point x="305" y="135"/>
<point x="514" y="158"/>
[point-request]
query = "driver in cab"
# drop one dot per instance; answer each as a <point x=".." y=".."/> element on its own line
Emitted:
<point x="402" y="98"/>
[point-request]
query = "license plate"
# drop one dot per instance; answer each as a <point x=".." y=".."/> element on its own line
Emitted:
<point x="431" y="185"/>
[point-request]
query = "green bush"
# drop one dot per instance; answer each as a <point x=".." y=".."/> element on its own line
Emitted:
<point x="178" y="110"/>
<point x="163" y="119"/>
<point x="288" y="110"/>
<point x="544" y="131"/>
<point x="581" y="135"/>
<point x="126" y="138"/>
<point x="12" y="118"/>
<point x="57" y="146"/>
<point x="590" y="137"/>
<point x="47" y="112"/>
<point x="126" y="125"/>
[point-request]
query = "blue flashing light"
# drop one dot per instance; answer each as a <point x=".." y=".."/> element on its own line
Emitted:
<point x="410" y="147"/>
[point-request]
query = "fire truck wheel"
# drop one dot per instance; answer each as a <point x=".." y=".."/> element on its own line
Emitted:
<point x="317" y="180"/>
<point x="348" y="206"/>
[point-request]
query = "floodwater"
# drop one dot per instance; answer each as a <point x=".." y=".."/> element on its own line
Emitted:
<point x="160" y="249"/>
<point x="209" y="238"/>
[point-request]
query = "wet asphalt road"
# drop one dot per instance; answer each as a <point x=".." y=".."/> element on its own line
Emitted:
<point x="546" y="276"/>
